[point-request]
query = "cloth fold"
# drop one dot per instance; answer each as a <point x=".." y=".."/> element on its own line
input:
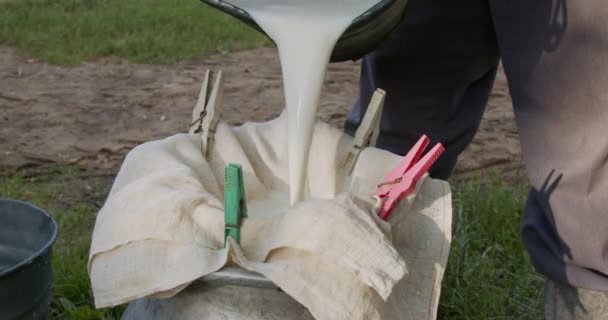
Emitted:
<point x="161" y="227"/>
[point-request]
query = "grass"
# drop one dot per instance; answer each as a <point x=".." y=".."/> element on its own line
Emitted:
<point x="144" y="31"/>
<point x="489" y="275"/>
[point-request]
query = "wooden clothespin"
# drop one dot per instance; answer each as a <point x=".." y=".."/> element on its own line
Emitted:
<point x="206" y="113"/>
<point x="368" y="131"/>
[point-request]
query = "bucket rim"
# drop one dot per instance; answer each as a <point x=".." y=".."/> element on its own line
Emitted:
<point x="42" y="250"/>
<point x="236" y="11"/>
<point x="377" y="10"/>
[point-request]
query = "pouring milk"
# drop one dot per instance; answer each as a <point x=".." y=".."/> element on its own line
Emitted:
<point x="305" y="32"/>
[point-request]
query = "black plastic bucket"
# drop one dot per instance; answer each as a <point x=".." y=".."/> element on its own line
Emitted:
<point x="27" y="234"/>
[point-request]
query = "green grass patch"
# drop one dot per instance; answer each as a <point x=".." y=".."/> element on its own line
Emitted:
<point x="489" y="275"/>
<point x="144" y="31"/>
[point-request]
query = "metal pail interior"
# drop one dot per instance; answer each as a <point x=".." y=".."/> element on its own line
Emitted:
<point x="27" y="234"/>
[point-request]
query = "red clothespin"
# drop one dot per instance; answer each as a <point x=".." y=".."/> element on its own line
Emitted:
<point x="401" y="181"/>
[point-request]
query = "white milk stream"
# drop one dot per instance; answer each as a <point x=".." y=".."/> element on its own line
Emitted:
<point x="305" y="32"/>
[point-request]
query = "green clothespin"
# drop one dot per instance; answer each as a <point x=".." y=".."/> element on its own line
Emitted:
<point x="235" y="205"/>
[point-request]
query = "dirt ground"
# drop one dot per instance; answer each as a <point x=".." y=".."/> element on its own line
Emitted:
<point x="90" y="115"/>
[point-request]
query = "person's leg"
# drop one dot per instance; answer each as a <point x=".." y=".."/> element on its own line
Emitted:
<point x="555" y="54"/>
<point x="438" y="69"/>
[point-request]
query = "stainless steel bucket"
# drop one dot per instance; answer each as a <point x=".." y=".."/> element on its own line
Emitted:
<point x="231" y="293"/>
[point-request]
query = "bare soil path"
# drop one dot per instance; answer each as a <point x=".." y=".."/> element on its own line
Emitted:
<point x="92" y="114"/>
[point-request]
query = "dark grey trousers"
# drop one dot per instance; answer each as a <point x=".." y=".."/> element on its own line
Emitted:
<point x="438" y="69"/>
